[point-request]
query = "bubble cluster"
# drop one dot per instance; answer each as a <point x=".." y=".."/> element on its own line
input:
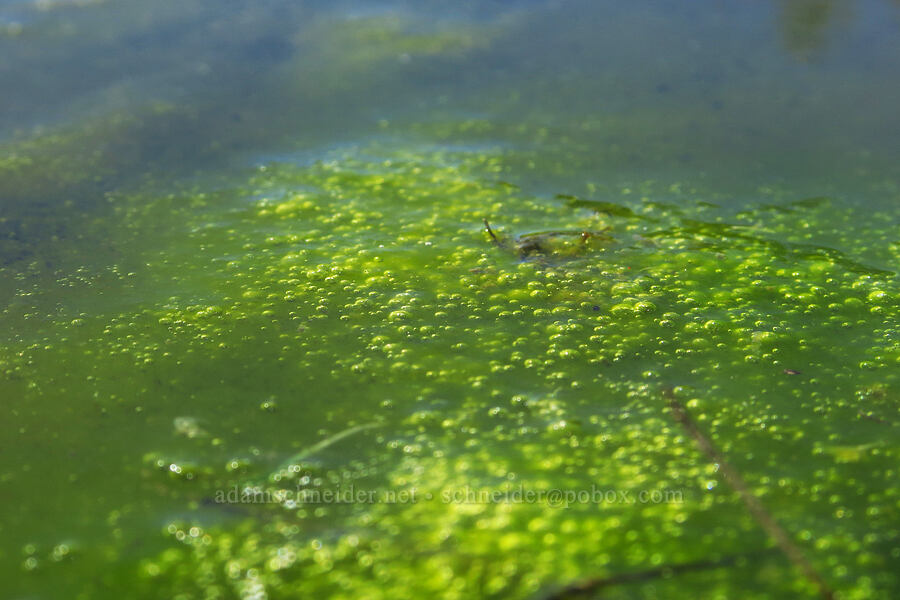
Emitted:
<point x="361" y="294"/>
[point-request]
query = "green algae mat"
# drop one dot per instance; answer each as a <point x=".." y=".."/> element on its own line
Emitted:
<point x="497" y="300"/>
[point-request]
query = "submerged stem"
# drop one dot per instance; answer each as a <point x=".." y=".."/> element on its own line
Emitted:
<point x="762" y="516"/>
<point x="331" y="440"/>
<point x="592" y="586"/>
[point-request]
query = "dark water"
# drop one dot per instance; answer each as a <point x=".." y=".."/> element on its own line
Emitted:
<point x="242" y="247"/>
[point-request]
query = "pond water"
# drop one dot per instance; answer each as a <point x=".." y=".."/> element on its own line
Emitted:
<point x="257" y="341"/>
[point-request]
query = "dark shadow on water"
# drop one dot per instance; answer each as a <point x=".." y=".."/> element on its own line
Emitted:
<point x="807" y="24"/>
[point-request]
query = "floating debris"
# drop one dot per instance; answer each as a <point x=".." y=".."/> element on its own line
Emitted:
<point x="188" y="427"/>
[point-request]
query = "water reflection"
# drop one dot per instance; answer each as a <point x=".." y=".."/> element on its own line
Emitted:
<point x="807" y="26"/>
<point x="198" y="82"/>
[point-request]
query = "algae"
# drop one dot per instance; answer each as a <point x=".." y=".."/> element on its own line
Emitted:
<point x="204" y="316"/>
<point x="354" y="278"/>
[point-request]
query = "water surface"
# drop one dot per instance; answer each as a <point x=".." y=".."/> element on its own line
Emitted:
<point x="256" y="341"/>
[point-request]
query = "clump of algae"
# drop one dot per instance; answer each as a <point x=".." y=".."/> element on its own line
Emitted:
<point x="291" y="304"/>
<point x="363" y="287"/>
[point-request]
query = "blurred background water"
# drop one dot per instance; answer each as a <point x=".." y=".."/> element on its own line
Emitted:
<point x="788" y="99"/>
<point x="738" y="91"/>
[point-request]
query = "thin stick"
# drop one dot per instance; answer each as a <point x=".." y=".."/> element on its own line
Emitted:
<point x="754" y="506"/>
<point x="872" y="417"/>
<point x="330" y="441"/>
<point x="491" y="232"/>
<point x="591" y="586"/>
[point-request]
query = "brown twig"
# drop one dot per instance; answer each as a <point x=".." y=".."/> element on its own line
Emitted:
<point x="872" y="418"/>
<point x="754" y="506"/>
<point x="491" y="232"/>
<point x="592" y="586"/>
